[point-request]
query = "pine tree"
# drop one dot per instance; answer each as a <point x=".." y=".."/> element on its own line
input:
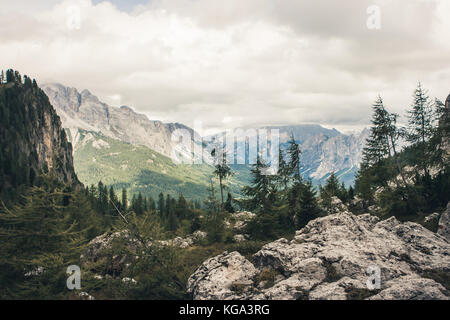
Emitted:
<point x="307" y="208"/>
<point x="382" y="143"/>
<point x="211" y="203"/>
<point x="102" y="205"/>
<point x="40" y="238"/>
<point x="294" y="153"/>
<point x="229" y="204"/>
<point x="168" y="206"/>
<point x="161" y="206"/>
<point x="181" y="207"/>
<point x="420" y="124"/>
<point x="124" y="199"/>
<point x="377" y="145"/>
<point x="222" y="170"/>
<point x="284" y="172"/>
<point x="261" y="190"/>
<point x="139" y="204"/>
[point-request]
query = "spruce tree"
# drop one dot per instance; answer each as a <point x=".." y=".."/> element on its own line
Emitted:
<point x="307" y="208"/>
<point x="420" y="124"/>
<point x="284" y="172"/>
<point x="40" y="237"/>
<point x="229" y="204"/>
<point x="222" y="170"/>
<point x="161" y="206"/>
<point x="124" y="199"/>
<point x="261" y="188"/>
<point x="294" y="153"/>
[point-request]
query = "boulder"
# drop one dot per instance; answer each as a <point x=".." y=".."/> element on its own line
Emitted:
<point x="222" y="277"/>
<point x="444" y="224"/>
<point x="239" y="238"/>
<point x="85" y="296"/>
<point x="357" y="205"/>
<point x="432" y="217"/>
<point x="329" y="259"/>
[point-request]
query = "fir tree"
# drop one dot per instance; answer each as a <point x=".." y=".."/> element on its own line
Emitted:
<point x="222" y="170"/>
<point x="307" y="208"/>
<point x="161" y="206"/>
<point x="294" y="153"/>
<point x="259" y="192"/>
<point x="124" y="199"/>
<point x="229" y="204"/>
<point x="420" y="124"/>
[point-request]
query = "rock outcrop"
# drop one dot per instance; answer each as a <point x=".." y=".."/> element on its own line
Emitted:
<point x="335" y="257"/>
<point x="444" y="223"/>
<point x="83" y="110"/>
<point x="33" y="141"/>
<point x="99" y="246"/>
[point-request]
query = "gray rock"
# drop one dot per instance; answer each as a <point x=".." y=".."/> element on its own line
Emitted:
<point x="329" y="257"/>
<point x="85" y="296"/>
<point x="411" y="288"/>
<point x="216" y="276"/>
<point x="431" y="217"/>
<point x="239" y="238"/>
<point x="444" y="223"/>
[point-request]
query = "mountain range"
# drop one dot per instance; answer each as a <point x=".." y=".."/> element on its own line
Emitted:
<point x="126" y="149"/>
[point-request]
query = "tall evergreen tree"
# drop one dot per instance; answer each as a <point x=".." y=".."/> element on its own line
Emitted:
<point x="222" y="170"/>
<point x="420" y="124"/>
<point x="229" y="204"/>
<point x="261" y="190"/>
<point x="294" y="153"/>
<point x="124" y="199"/>
<point x="284" y="172"/>
<point x="307" y="208"/>
<point x="161" y="206"/>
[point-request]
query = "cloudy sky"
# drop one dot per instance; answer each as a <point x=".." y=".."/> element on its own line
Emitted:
<point x="236" y="62"/>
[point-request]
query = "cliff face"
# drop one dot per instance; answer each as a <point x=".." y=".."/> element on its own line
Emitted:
<point x="323" y="150"/>
<point x="83" y="110"/>
<point x="33" y="141"/>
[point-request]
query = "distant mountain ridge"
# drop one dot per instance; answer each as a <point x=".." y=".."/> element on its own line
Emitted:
<point x="85" y="111"/>
<point x="323" y="150"/>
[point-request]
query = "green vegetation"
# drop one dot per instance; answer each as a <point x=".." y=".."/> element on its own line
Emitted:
<point x="24" y="112"/>
<point x="131" y="191"/>
<point x="415" y="181"/>
<point x="140" y="169"/>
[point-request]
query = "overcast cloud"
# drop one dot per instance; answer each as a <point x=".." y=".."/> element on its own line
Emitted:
<point x="235" y="62"/>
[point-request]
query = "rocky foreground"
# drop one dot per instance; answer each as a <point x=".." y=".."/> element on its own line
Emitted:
<point x="334" y="257"/>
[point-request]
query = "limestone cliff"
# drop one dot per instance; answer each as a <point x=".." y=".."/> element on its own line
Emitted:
<point x="33" y="141"/>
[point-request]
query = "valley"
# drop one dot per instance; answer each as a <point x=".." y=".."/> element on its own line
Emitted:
<point x="125" y="149"/>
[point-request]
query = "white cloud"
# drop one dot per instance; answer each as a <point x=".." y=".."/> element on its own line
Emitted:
<point x="253" y="62"/>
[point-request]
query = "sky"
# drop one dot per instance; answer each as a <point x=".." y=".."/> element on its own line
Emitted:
<point x="235" y="63"/>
